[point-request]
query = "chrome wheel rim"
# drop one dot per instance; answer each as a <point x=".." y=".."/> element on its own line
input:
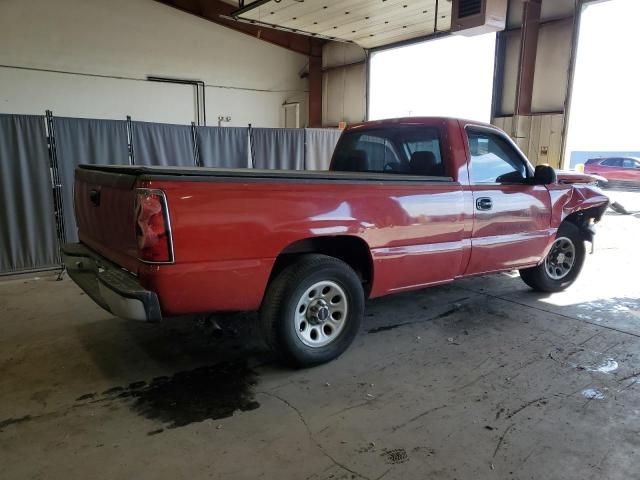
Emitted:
<point x="561" y="258"/>
<point x="321" y="314"/>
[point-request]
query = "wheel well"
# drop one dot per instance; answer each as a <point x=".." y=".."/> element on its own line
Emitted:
<point x="352" y="250"/>
<point x="582" y="220"/>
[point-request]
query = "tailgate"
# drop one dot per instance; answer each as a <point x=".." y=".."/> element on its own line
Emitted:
<point x="104" y="208"/>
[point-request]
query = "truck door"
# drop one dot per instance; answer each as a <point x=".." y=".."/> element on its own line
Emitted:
<point x="511" y="226"/>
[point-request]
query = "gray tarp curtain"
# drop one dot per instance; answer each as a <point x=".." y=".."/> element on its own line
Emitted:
<point x="27" y="226"/>
<point x="79" y="140"/>
<point x="225" y="147"/>
<point x="278" y="148"/>
<point x="163" y="144"/>
<point x="27" y="222"/>
<point x="319" y="146"/>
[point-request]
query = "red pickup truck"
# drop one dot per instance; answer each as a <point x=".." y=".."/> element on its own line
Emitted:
<point x="407" y="204"/>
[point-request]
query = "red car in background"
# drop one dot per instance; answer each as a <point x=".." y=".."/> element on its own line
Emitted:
<point x="619" y="171"/>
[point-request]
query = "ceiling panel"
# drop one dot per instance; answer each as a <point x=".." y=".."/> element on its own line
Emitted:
<point x="369" y="23"/>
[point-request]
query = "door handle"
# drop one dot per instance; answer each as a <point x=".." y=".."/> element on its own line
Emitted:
<point x="484" y="203"/>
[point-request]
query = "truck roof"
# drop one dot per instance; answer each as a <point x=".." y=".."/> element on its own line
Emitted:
<point x="425" y="121"/>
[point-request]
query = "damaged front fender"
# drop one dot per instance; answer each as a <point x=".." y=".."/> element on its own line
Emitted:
<point x="581" y="204"/>
<point x="584" y="203"/>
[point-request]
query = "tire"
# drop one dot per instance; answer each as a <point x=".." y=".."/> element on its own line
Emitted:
<point x="312" y="310"/>
<point x="568" y="241"/>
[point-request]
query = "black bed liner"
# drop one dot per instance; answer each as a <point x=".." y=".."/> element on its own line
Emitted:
<point x="250" y="174"/>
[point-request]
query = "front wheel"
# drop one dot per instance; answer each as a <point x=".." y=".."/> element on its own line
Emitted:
<point x="312" y="310"/>
<point x="561" y="266"/>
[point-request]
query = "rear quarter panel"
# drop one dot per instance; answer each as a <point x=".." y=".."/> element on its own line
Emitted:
<point x="227" y="235"/>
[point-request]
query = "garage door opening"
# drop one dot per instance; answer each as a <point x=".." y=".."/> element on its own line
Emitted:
<point x="451" y="76"/>
<point x="603" y="122"/>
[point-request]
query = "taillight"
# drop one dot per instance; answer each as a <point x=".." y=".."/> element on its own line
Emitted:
<point x="153" y="229"/>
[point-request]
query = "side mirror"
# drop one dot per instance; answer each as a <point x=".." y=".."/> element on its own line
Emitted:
<point x="545" y="175"/>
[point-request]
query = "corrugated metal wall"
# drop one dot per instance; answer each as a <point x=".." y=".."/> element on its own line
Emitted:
<point x="344" y="84"/>
<point x="538" y="136"/>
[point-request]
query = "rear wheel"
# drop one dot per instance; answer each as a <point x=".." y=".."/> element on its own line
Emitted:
<point x="312" y="310"/>
<point x="561" y="266"/>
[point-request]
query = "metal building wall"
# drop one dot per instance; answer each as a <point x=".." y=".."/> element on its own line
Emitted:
<point x="539" y="132"/>
<point x="344" y="84"/>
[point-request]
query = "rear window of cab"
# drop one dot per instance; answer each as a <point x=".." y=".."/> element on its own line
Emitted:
<point x="407" y="150"/>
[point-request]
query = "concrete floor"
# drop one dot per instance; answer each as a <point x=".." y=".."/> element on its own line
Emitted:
<point x="478" y="379"/>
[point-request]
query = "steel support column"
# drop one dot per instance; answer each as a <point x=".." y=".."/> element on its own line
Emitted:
<point x="315" y="91"/>
<point x="528" y="53"/>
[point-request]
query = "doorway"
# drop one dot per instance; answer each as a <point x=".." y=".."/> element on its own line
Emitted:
<point x="605" y="101"/>
<point x="450" y="76"/>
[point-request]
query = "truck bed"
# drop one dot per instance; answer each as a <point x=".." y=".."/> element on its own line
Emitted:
<point x="228" y="226"/>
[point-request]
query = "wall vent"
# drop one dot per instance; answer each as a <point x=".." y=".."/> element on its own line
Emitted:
<point x="467" y="8"/>
<point x="475" y="17"/>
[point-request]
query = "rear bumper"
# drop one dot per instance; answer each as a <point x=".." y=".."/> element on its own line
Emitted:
<point x="111" y="287"/>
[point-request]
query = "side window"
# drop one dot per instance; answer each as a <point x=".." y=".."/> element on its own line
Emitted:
<point x="612" y="162"/>
<point x="630" y="163"/>
<point x="493" y="160"/>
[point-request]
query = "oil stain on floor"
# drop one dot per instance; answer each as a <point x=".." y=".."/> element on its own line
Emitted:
<point x="205" y="393"/>
<point x="208" y="392"/>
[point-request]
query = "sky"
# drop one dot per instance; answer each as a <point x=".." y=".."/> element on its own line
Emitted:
<point x="605" y="107"/>
<point x="410" y="81"/>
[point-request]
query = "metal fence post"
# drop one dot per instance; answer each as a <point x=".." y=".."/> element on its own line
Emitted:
<point x="132" y="159"/>
<point x="196" y="150"/>
<point x="56" y="185"/>
<point x="251" y="150"/>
